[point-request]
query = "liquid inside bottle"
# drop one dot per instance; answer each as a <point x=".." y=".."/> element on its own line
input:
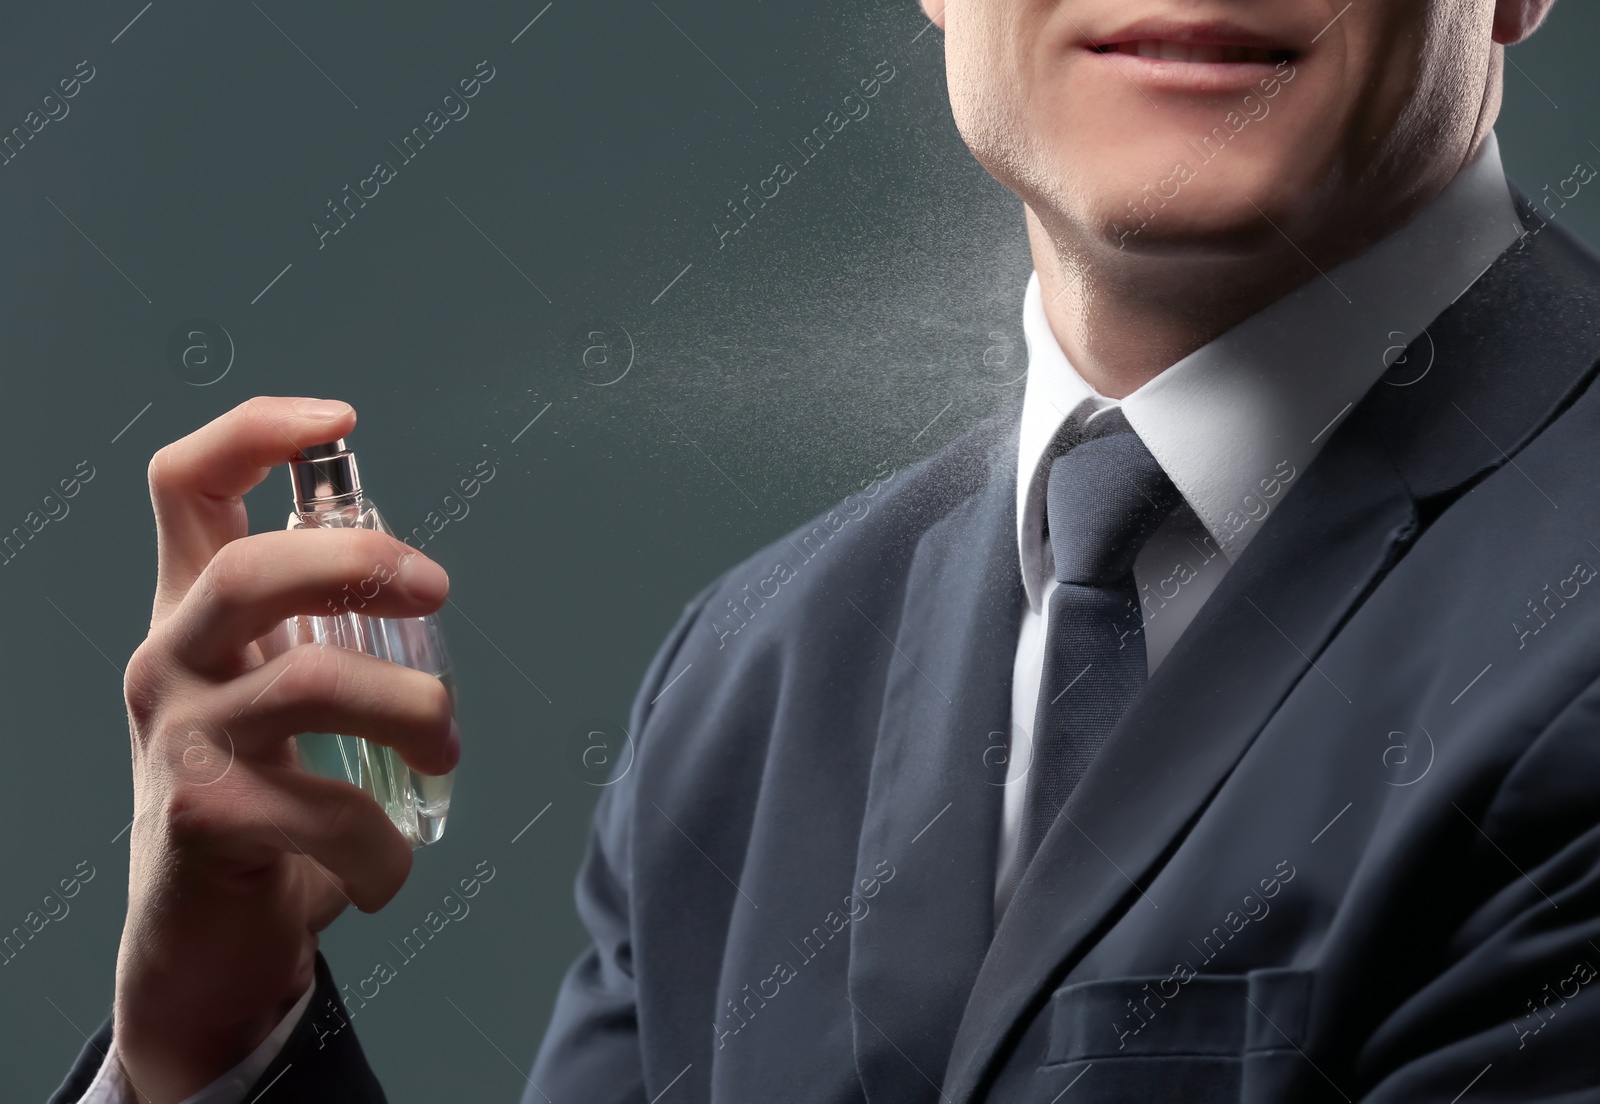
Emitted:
<point x="328" y="495"/>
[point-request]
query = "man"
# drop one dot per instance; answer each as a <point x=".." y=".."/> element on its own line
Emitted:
<point x="1217" y="727"/>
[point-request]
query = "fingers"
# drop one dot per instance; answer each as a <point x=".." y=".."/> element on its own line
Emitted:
<point x="196" y="482"/>
<point x="253" y="584"/>
<point x="317" y="688"/>
<point x="262" y="810"/>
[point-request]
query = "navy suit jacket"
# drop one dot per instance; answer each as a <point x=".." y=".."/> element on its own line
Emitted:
<point x="1344" y="846"/>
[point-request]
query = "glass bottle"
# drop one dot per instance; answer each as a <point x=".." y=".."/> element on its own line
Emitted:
<point x="328" y="495"/>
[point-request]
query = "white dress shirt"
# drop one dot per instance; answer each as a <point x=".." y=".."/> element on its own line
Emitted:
<point x="1236" y="422"/>
<point x="1233" y="424"/>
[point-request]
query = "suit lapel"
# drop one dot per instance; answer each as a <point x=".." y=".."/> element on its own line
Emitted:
<point x="1505" y="358"/>
<point x="933" y="807"/>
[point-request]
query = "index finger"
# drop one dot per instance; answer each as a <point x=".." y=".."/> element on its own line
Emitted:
<point x="197" y="483"/>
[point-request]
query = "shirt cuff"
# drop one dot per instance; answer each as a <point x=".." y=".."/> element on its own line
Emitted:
<point x="110" y="1087"/>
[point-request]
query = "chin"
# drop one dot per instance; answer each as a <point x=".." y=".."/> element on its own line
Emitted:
<point x="1170" y="199"/>
<point x="1229" y="211"/>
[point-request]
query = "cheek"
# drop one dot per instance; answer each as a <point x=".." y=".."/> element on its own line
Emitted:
<point x="1414" y="84"/>
<point x="989" y="68"/>
<point x="1408" y="66"/>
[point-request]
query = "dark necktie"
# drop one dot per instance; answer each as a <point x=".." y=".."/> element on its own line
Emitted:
<point x="1106" y="496"/>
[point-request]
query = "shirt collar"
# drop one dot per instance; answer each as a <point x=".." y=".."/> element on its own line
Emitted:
<point x="1235" y="422"/>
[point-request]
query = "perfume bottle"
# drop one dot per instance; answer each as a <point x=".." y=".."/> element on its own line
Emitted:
<point x="328" y="495"/>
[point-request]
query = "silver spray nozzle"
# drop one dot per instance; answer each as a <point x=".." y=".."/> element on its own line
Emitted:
<point x="325" y="476"/>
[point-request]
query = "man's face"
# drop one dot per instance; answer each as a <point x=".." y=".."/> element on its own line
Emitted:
<point x="1179" y="128"/>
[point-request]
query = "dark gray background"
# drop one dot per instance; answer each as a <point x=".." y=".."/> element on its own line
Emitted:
<point x="879" y="293"/>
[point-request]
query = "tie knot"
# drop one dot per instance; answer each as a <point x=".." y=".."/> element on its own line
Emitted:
<point x="1105" y="497"/>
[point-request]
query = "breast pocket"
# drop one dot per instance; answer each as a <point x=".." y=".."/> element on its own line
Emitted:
<point x="1210" y="1039"/>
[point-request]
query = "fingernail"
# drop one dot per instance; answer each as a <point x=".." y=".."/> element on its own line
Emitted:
<point x="322" y="409"/>
<point x="422" y="577"/>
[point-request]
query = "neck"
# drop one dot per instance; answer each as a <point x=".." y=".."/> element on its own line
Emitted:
<point x="1120" y="327"/>
<point x="1124" y="318"/>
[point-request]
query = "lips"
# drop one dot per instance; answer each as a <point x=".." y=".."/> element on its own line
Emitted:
<point x="1190" y="42"/>
<point x="1158" y="49"/>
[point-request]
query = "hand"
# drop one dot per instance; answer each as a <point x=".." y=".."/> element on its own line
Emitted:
<point x="239" y="858"/>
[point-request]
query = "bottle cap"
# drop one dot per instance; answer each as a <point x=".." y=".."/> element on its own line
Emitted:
<point x="325" y="476"/>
